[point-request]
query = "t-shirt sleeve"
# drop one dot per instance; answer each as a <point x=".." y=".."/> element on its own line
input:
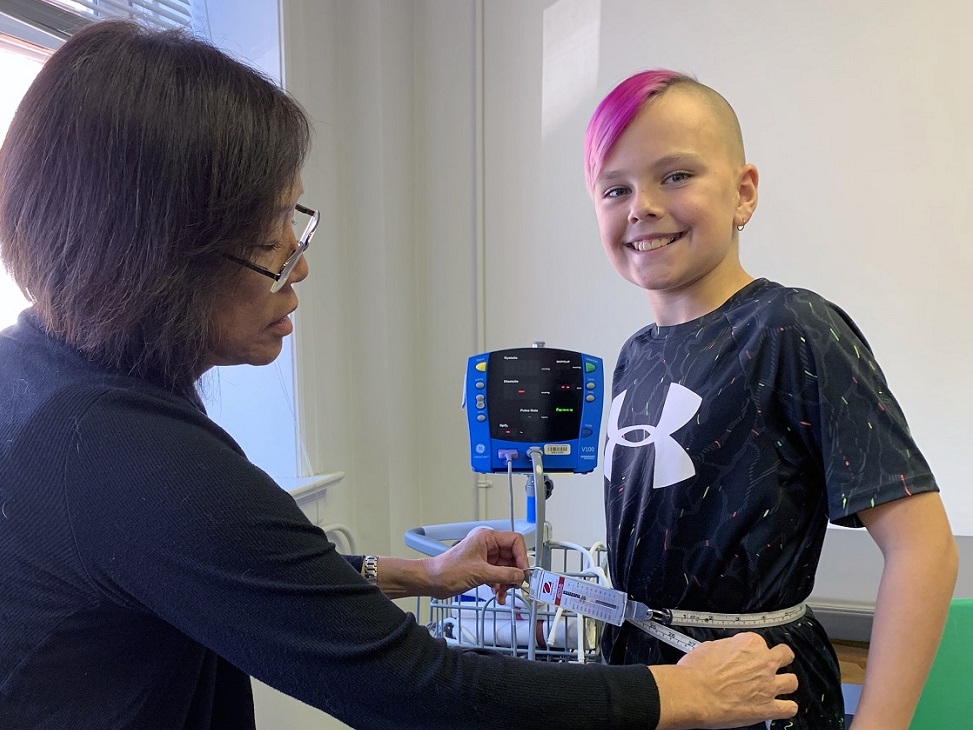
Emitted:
<point x="170" y="518"/>
<point x="840" y="405"/>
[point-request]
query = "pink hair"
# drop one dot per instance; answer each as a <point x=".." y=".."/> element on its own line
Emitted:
<point x="616" y="111"/>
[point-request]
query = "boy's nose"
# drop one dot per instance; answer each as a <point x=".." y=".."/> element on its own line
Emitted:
<point x="644" y="206"/>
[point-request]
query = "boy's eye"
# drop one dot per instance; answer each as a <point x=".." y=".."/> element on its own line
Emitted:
<point x="615" y="192"/>
<point x="675" y="177"/>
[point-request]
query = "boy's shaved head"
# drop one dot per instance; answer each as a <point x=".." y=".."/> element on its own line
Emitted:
<point x="723" y="114"/>
<point x="617" y="110"/>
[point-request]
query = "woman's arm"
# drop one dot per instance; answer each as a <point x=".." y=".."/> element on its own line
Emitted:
<point x="223" y="558"/>
<point x="733" y="680"/>
<point x="483" y="557"/>
<point x="921" y="560"/>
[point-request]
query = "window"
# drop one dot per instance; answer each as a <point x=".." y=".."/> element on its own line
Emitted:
<point x="19" y="63"/>
<point x="266" y="430"/>
<point x="30" y="30"/>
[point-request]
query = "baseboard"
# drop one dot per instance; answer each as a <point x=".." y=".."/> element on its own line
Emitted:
<point x="845" y="621"/>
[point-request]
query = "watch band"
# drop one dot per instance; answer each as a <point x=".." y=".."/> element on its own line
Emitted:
<point x="369" y="569"/>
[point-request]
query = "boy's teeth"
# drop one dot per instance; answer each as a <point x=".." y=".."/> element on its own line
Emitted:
<point x="654" y="243"/>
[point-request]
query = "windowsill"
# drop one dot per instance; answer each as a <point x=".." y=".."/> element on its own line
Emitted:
<point x="306" y="489"/>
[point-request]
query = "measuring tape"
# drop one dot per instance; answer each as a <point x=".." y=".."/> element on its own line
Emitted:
<point x="700" y="619"/>
<point x="581" y="596"/>
<point x="604" y="604"/>
<point x="667" y="634"/>
<point x="614" y="607"/>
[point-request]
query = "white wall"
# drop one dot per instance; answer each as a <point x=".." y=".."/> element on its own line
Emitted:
<point x="865" y="177"/>
<point x="857" y="115"/>
<point x="387" y="315"/>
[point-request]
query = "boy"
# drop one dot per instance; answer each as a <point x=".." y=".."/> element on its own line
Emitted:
<point x="747" y="416"/>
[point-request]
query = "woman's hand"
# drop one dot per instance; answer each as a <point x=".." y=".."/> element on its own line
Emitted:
<point x="484" y="557"/>
<point x="726" y="684"/>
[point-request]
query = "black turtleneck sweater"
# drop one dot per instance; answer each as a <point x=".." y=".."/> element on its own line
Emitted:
<point x="148" y="569"/>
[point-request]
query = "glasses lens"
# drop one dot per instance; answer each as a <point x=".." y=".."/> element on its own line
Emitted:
<point x="288" y="269"/>
<point x="305" y="222"/>
<point x="302" y="222"/>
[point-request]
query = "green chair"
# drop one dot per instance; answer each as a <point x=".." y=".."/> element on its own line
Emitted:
<point x="947" y="699"/>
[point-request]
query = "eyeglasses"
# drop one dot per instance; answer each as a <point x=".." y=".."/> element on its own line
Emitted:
<point x="280" y="279"/>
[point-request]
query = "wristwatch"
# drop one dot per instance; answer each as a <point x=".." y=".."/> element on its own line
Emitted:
<point x="369" y="569"/>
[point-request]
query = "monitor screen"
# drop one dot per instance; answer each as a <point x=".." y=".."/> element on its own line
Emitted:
<point x="535" y="395"/>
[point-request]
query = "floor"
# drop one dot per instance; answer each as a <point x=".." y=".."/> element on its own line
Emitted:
<point x="852" y="658"/>
<point x="851" y="693"/>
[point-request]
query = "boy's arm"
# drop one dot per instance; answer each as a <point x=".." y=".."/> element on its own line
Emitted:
<point x="921" y="560"/>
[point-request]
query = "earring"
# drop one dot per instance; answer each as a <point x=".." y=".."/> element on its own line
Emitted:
<point x="742" y="225"/>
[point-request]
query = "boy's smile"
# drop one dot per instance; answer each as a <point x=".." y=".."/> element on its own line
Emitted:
<point x="652" y="243"/>
<point x="668" y="199"/>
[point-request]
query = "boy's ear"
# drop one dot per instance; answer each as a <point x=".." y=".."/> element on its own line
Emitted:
<point x="747" y="191"/>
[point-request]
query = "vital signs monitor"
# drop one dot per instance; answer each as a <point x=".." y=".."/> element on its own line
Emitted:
<point x="534" y="397"/>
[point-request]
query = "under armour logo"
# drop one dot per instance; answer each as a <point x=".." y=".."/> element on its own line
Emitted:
<point x="672" y="463"/>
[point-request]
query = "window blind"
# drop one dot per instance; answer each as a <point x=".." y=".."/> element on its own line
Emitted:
<point x="59" y="19"/>
<point x="158" y="13"/>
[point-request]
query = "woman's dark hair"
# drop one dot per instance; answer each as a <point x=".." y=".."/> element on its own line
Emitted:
<point x="135" y="161"/>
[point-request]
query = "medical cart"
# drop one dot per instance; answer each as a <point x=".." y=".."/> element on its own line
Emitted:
<point x="530" y="411"/>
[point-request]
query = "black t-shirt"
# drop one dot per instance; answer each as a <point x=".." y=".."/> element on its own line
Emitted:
<point x="731" y="441"/>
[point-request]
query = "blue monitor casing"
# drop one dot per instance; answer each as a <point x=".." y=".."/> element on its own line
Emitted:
<point x="534" y="396"/>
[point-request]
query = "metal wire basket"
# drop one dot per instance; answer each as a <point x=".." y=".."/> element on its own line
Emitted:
<point x="476" y="620"/>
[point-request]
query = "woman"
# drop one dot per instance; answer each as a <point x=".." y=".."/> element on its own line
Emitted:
<point x="147" y="189"/>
